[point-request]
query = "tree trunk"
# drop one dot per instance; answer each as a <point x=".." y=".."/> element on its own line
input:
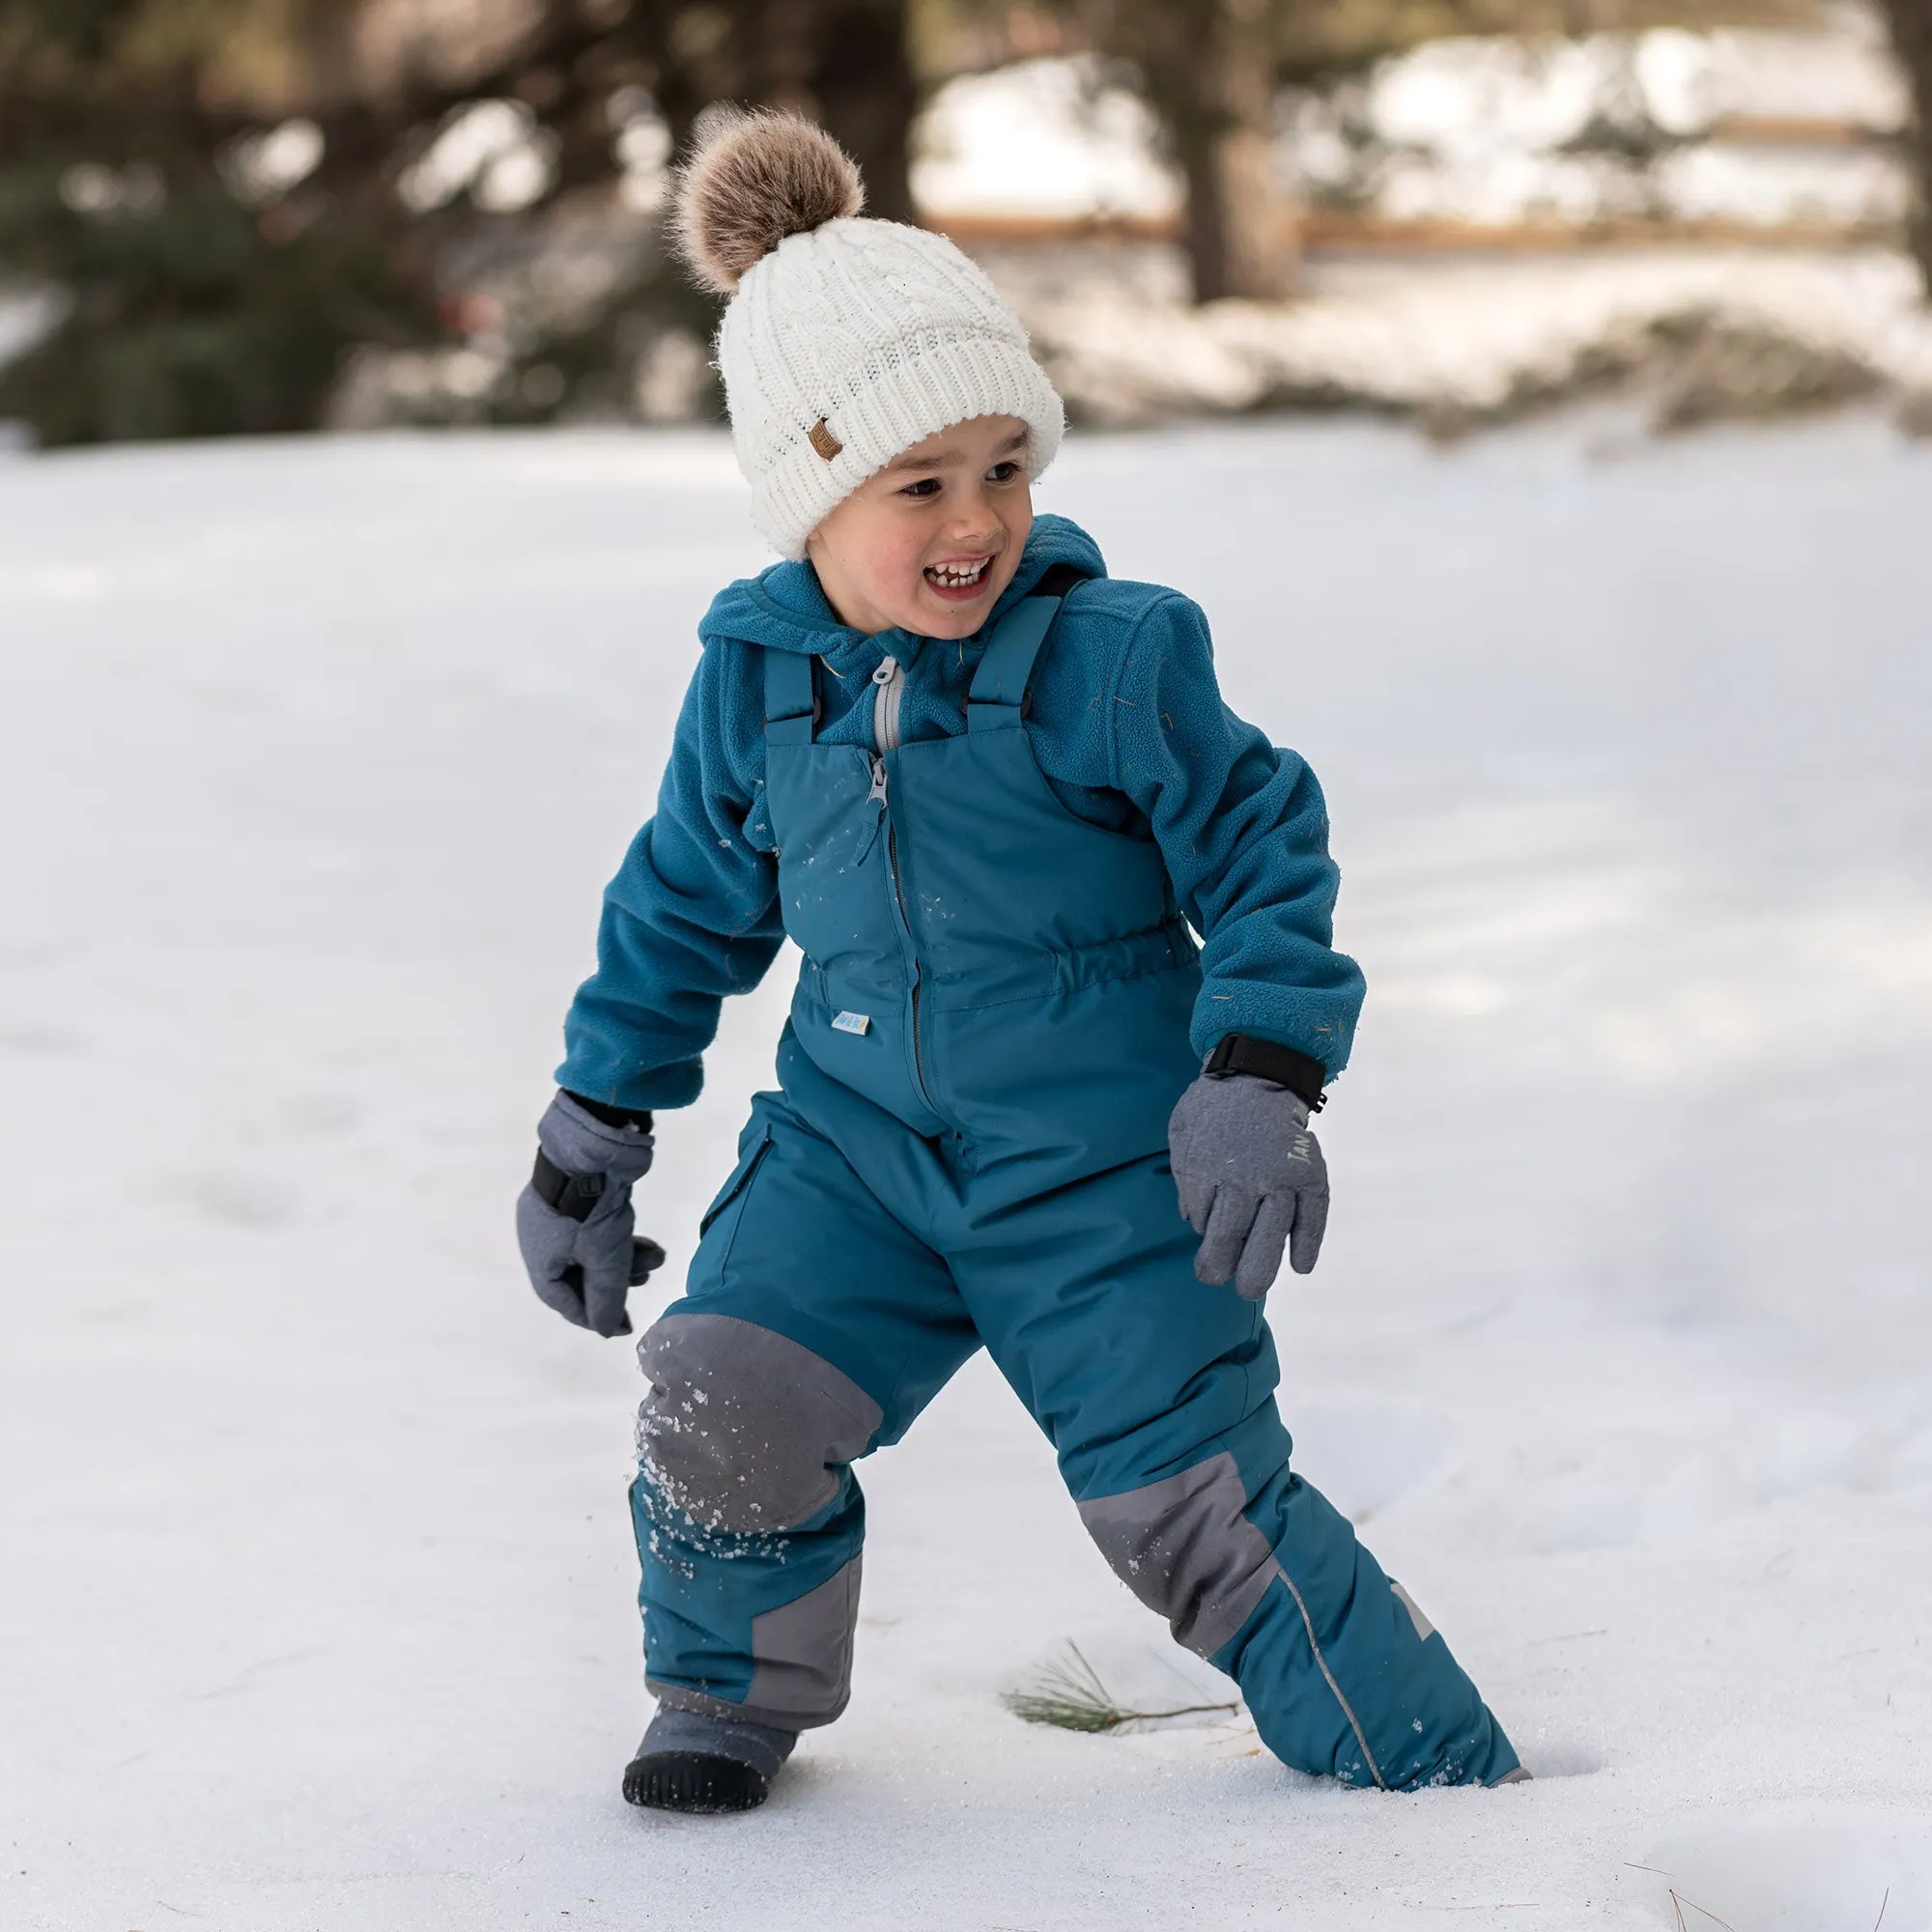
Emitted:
<point x="327" y="34"/>
<point x="1208" y="74"/>
<point x="868" y="95"/>
<point x="1912" y="40"/>
<point x="846" y="65"/>
<point x="1260" y="235"/>
<point x="1206" y="235"/>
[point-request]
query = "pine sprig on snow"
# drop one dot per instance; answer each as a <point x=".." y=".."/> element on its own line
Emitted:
<point x="1069" y="1695"/>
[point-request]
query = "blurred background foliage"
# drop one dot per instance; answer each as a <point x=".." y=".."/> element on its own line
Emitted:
<point x="254" y="215"/>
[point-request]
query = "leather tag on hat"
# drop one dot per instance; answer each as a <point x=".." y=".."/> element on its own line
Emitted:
<point x="824" y="442"/>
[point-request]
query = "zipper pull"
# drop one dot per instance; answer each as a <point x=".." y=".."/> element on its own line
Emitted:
<point x="877" y="794"/>
<point x="889" y="669"/>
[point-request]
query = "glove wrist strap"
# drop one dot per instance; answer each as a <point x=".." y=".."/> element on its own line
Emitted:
<point x="612" y="1116"/>
<point x="1268" y="1060"/>
<point x="575" y="1195"/>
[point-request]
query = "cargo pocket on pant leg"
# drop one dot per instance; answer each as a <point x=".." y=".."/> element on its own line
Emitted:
<point x="728" y="1207"/>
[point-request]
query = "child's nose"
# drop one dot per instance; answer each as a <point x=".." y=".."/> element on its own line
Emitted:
<point x="972" y="515"/>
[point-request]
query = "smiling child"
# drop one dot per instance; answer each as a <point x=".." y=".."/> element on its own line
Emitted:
<point x="993" y="794"/>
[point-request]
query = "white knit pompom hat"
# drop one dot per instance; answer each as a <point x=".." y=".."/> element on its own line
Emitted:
<point x="846" y="341"/>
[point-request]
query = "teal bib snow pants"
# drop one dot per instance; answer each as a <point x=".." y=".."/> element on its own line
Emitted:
<point x="969" y="1147"/>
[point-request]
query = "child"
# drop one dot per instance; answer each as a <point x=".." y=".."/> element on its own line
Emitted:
<point x="987" y="789"/>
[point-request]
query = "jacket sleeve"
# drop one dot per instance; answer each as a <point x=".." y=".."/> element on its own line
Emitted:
<point x="1244" y="831"/>
<point x="690" y="917"/>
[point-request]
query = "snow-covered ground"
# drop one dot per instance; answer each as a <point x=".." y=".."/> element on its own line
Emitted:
<point x="316" y="1609"/>
<point x="1485" y="338"/>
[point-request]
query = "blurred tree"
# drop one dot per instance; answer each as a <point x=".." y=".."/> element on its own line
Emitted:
<point x="209" y="278"/>
<point x="208" y="284"/>
<point x="1210" y="69"/>
<point x="231" y="194"/>
<point x="846" y="63"/>
<point x="1912" y="40"/>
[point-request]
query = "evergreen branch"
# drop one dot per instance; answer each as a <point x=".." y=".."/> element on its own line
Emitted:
<point x="1069" y="1695"/>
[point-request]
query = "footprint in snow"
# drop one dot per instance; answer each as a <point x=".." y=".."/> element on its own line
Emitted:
<point x="1791" y="1868"/>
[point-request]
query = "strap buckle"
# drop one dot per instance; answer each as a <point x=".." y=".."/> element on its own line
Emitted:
<point x="575" y="1195"/>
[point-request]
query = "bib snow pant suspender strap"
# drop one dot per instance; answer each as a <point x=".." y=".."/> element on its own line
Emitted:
<point x="968" y="1147"/>
<point x="792" y="697"/>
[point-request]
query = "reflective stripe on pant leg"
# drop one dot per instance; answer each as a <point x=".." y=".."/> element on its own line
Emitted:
<point x="1158" y="1392"/>
<point x="1186" y="1548"/>
<point x="1414" y="1718"/>
<point x="1392" y="1709"/>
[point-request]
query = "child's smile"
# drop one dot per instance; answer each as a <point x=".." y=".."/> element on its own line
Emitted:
<point x="962" y="580"/>
<point x="928" y="544"/>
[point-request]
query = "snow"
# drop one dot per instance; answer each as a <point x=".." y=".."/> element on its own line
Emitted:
<point x="317" y="1606"/>
<point x="1758" y="126"/>
<point x="1846" y="188"/>
<point x="1841" y="70"/>
<point x="24" y="320"/>
<point x="1786" y="1868"/>
<point x="1477" y="337"/>
<point x="1051" y="138"/>
<point x="1477" y="94"/>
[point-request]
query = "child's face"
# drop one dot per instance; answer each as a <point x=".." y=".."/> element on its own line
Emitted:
<point x="928" y="544"/>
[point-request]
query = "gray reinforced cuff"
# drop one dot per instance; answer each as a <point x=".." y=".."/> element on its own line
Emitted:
<point x="721" y="1709"/>
<point x="763" y="1746"/>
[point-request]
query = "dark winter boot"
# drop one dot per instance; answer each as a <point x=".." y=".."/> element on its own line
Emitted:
<point x="689" y="1762"/>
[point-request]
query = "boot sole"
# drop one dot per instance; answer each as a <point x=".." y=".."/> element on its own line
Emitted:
<point x="693" y="1782"/>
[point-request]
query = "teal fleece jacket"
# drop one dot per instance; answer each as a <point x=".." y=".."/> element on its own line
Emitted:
<point x="1128" y="726"/>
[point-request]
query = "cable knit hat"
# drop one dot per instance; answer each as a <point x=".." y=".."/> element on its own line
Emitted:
<point x="847" y="340"/>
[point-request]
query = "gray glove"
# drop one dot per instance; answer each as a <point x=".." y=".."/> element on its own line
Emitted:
<point x="1251" y="1179"/>
<point x="578" y="1242"/>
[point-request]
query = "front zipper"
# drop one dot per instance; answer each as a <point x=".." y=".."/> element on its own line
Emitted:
<point x="889" y="683"/>
<point x="912" y="958"/>
<point x="889" y="680"/>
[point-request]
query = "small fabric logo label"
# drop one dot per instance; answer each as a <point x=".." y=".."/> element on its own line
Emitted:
<point x="852" y="1023"/>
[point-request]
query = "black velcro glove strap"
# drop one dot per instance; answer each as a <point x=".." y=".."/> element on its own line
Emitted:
<point x="612" y="1116"/>
<point x="1266" y="1059"/>
<point x="573" y="1194"/>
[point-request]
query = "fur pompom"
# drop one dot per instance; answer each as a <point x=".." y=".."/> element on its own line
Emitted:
<point x="752" y="180"/>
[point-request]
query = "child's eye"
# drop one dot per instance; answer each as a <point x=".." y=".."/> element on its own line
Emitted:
<point x="926" y="486"/>
<point x="1003" y="473"/>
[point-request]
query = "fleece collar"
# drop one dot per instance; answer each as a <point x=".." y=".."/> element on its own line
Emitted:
<point x="784" y="609"/>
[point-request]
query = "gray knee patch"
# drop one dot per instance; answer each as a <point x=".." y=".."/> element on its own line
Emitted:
<point x="743" y="1429"/>
<point x="1186" y="1548"/>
